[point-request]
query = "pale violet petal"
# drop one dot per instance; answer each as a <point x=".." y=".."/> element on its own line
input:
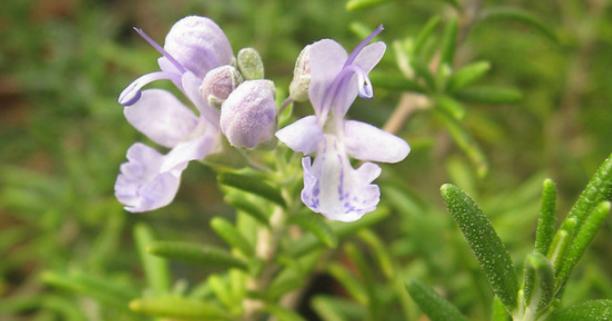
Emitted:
<point x="304" y="135"/>
<point x="132" y="93"/>
<point x="326" y="60"/>
<point x="194" y="149"/>
<point x="369" y="57"/>
<point x="161" y="117"/>
<point x="191" y="88"/>
<point x="336" y="190"/>
<point x="366" y="142"/>
<point x="199" y="44"/>
<point x="140" y="186"/>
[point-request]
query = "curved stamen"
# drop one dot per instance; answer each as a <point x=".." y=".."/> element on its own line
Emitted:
<point x="160" y="49"/>
<point x="362" y="45"/>
<point x="363" y="82"/>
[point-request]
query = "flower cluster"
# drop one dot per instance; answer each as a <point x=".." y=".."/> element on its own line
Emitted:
<point x="233" y="100"/>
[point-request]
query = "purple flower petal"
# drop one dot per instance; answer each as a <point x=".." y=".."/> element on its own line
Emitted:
<point x="366" y="142"/>
<point x="336" y="190"/>
<point x="196" y="149"/>
<point x="370" y="56"/>
<point x="162" y="117"/>
<point x="303" y="136"/>
<point x="191" y="89"/>
<point x="198" y="44"/>
<point x="140" y="186"/>
<point x="326" y="60"/>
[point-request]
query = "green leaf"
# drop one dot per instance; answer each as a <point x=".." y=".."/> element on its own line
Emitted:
<point x="422" y="70"/>
<point x="253" y="185"/>
<point x="583" y="238"/>
<point x="231" y="235"/>
<point x="178" y="308"/>
<point x="539" y="288"/>
<point x="325" y="309"/>
<point x="394" y="82"/>
<point x="449" y="42"/>
<point x="201" y="255"/>
<point x="247" y="207"/>
<point x="547" y="219"/>
<point x="498" y="311"/>
<point x="436" y="307"/>
<point x="465" y="142"/>
<point x="425" y="34"/>
<point x="155" y="268"/>
<point x="353" y="286"/>
<point x="450" y="106"/>
<point x="467" y="75"/>
<point x="353" y="5"/>
<point x="597" y="190"/>
<point x="521" y="16"/>
<point x="315" y="225"/>
<point x="488" y="248"/>
<point x="283" y="314"/>
<point x="103" y="290"/>
<point x="381" y="253"/>
<point x="309" y="243"/>
<point x="560" y="242"/>
<point x="596" y="310"/>
<point x="489" y="95"/>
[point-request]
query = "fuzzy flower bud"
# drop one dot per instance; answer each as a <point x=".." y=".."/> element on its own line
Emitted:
<point x="298" y="89"/>
<point x="250" y="64"/>
<point x="248" y="115"/>
<point x="219" y="83"/>
<point x="198" y="44"/>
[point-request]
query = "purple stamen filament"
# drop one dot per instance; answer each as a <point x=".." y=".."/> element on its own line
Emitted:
<point x="160" y="49"/>
<point x="362" y="45"/>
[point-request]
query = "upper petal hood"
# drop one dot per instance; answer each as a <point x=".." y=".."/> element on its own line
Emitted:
<point x="198" y="44"/>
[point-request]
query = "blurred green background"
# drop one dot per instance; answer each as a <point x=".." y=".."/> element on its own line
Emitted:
<point x="63" y="135"/>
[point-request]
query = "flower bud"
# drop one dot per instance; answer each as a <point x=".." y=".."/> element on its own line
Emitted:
<point x="248" y="115"/>
<point x="298" y="89"/>
<point x="198" y="44"/>
<point x="219" y="83"/>
<point x="250" y="64"/>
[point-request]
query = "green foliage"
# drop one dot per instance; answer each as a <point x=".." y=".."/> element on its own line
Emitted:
<point x="196" y="254"/>
<point x="488" y="248"/>
<point x="432" y="304"/>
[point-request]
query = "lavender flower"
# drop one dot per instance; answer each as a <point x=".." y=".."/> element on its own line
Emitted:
<point x="150" y="180"/>
<point x="332" y="186"/>
<point x="248" y="116"/>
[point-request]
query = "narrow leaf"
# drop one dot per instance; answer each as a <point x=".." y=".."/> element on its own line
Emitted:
<point x="381" y="253"/>
<point x="597" y="190"/>
<point x="498" y="311"/>
<point x="489" y="95"/>
<point x="155" y="268"/>
<point x="315" y="225"/>
<point x="451" y="107"/>
<point x="196" y="254"/>
<point x="353" y="5"/>
<point x="353" y="286"/>
<point x="521" y="16"/>
<point x="326" y="310"/>
<point x="449" y="42"/>
<point x="539" y="288"/>
<point x="178" y="308"/>
<point x="488" y="248"/>
<point x="231" y="235"/>
<point x="425" y="34"/>
<point x="560" y="242"/>
<point x="583" y="238"/>
<point x="468" y="75"/>
<point x="252" y="185"/>
<point x="596" y="310"/>
<point x="436" y="307"/>
<point x="240" y="203"/>
<point x="465" y="141"/>
<point x="547" y="219"/>
<point x="283" y="314"/>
